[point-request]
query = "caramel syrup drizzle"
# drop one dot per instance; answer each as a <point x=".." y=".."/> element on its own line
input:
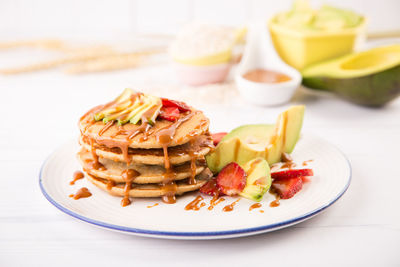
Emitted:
<point x="81" y="193"/>
<point x="305" y="163"/>
<point x="120" y="131"/>
<point x="215" y="201"/>
<point x="129" y="176"/>
<point x="195" y="132"/>
<point x="122" y="145"/>
<point x="275" y="203"/>
<point x="193" y="168"/>
<point x="90" y="119"/>
<point x="164" y="137"/>
<point x="93" y="150"/>
<point x="255" y="206"/>
<point x="280" y="130"/>
<point x="230" y="207"/>
<point x="77" y="176"/>
<point x="95" y="164"/>
<point x="145" y="127"/>
<point x="253" y="166"/>
<point x="196" y="204"/>
<point x="106" y="127"/>
<point x="110" y="184"/>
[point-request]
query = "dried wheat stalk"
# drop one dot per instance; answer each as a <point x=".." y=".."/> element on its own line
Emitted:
<point x="51" y="44"/>
<point x="112" y="62"/>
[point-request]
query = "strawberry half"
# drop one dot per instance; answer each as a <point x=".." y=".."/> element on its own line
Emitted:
<point x="293" y="173"/>
<point x="175" y="104"/>
<point x="210" y="188"/>
<point x="216" y="137"/>
<point x="231" y="179"/>
<point x="169" y="113"/>
<point x="287" y="188"/>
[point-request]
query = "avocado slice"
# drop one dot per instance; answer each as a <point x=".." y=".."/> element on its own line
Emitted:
<point x="125" y="108"/>
<point x="115" y="108"/>
<point x="118" y="111"/>
<point x="150" y="102"/>
<point x="259" y="140"/>
<point x="126" y="94"/>
<point x="120" y="103"/>
<point x="258" y="179"/>
<point x="124" y="114"/>
<point x="370" y="78"/>
<point x="286" y="133"/>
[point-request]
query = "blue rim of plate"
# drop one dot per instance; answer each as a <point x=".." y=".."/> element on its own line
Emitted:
<point x="232" y="233"/>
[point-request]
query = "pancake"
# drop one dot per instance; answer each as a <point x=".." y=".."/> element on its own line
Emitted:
<point x="148" y="173"/>
<point x="196" y="124"/>
<point x="147" y="190"/>
<point x="177" y="155"/>
<point x="145" y="146"/>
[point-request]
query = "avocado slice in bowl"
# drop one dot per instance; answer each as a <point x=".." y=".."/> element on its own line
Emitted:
<point x="370" y="78"/>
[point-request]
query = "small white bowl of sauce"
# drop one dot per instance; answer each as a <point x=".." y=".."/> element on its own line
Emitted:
<point x="262" y="77"/>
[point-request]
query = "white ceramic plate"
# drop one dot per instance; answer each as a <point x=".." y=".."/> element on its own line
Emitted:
<point x="332" y="178"/>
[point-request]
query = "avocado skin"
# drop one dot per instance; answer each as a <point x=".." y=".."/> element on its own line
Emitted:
<point x="374" y="90"/>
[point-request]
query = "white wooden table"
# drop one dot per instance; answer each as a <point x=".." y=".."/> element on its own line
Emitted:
<point x="40" y="111"/>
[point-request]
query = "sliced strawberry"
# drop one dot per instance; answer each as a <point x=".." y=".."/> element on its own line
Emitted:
<point x="291" y="173"/>
<point x="216" y="137"/>
<point x="169" y="113"/>
<point x="210" y="188"/>
<point x="175" y="104"/>
<point x="231" y="179"/>
<point x="287" y="188"/>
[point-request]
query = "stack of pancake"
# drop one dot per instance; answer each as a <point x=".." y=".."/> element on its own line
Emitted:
<point x="161" y="159"/>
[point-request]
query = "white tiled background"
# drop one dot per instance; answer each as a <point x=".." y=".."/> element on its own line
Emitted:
<point x="108" y="18"/>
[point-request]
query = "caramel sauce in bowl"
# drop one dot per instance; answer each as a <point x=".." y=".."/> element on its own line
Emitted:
<point x="266" y="76"/>
<point x="262" y="77"/>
